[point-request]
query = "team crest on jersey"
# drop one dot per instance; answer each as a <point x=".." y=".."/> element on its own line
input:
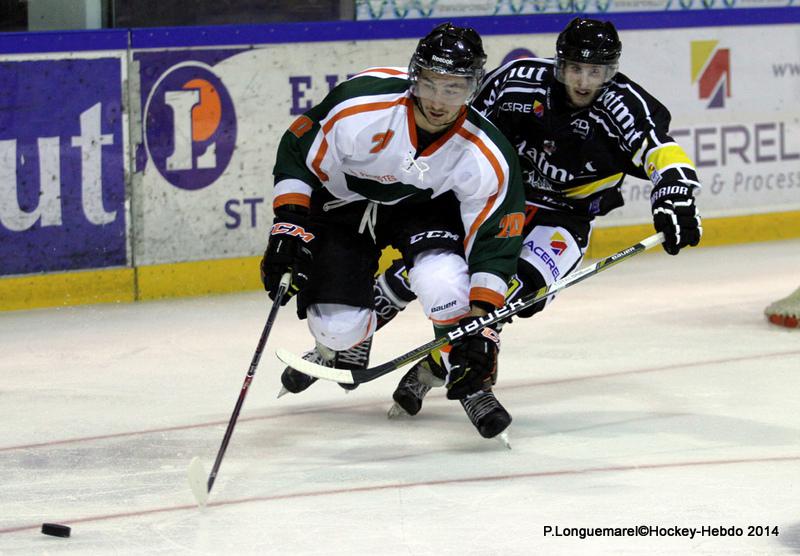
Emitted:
<point x="415" y="164"/>
<point x="581" y="127"/>
<point x="557" y="244"/>
<point x="655" y="175"/>
<point x="538" y="109"/>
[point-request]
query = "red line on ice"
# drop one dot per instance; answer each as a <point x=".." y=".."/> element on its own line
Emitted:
<point x="322" y="409"/>
<point x="374" y="488"/>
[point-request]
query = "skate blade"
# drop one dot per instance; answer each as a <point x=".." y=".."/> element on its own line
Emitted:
<point x="396" y="412"/>
<point x="197" y="481"/>
<point x="503" y="439"/>
<point x="283" y="392"/>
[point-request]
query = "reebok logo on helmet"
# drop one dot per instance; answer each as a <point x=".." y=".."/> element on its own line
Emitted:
<point x="441" y="60"/>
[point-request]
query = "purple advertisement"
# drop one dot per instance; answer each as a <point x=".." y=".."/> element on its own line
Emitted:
<point x="62" y="182"/>
<point x="189" y="120"/>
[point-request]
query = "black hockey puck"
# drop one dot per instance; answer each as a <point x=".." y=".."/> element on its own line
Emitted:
<point x="55" y="530"/>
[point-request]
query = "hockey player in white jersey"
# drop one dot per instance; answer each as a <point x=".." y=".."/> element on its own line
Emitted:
<point x="399" y="158"/>
<point x="578" y="127"/>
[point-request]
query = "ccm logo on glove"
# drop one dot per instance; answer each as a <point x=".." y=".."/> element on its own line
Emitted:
<point x="292" y="230"/>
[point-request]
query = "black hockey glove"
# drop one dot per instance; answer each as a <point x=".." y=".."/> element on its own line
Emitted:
<point x="473" y="362"/>
<point x="675" y="214"/>
<point x="288" y="250"/>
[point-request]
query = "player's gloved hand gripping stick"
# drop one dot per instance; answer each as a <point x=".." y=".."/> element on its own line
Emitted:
<point x="358" y="376"/>
<point x="201" y="487"/>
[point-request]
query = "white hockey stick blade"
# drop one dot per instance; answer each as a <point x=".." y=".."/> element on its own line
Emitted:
<point x="197" y="481"/>
<point x="312" y="369"/>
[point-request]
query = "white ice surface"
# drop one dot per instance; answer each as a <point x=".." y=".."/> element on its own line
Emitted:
<point x="655" y="393"/>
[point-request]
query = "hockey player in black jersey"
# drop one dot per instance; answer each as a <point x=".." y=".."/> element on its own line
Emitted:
<point x="579" y="128"/>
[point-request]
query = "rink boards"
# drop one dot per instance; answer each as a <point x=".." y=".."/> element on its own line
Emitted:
<point x="137" y="165"/>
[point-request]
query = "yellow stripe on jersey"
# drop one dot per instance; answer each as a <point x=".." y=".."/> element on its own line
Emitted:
<point x="666" y="155"/>
<point x="587" y="189"/>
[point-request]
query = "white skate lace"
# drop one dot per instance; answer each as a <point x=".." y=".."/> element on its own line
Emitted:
<point x="356" y="355"/>
<point x="412" y="383"/>
<point x="316" y="357"/>
<point x="479" y="405"/>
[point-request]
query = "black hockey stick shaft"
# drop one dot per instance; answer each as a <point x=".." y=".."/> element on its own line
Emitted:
<point x="509" y="310"/>
<point x="262" y="341"/>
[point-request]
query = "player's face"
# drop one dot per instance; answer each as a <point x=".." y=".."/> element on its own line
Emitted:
<point x="441" y="97"/>
<point x="583" y="81"/>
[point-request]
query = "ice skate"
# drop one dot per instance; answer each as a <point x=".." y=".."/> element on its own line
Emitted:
<point x="414" y="386"/>
<point x="294" y="381"/>
<point x="357" y="357"/>
<point x="488" y="415"/>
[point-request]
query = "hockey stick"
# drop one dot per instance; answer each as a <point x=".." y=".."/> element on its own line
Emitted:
<point x="201" y="487"/>
<point x="359" y="376"/>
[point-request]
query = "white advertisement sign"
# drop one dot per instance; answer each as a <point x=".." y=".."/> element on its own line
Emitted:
<point x="420" y="9"/>
<point x="212" y="120"/>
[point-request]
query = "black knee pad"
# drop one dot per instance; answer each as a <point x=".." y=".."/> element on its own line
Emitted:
<point x="397" y="279"/>
<point x="529" y="280"/>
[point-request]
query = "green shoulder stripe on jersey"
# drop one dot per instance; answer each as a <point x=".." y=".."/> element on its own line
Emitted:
<point x="293" y="150"/>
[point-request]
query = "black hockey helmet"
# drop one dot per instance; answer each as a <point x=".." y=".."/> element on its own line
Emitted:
<point x="450" y="50"/>
<point x="589" y="41"/>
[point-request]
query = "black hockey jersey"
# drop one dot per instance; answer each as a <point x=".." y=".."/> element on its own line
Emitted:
<point x="574" y="160"/>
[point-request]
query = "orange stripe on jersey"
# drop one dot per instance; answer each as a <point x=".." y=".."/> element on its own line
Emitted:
<point x="351" y="111"/>
<point x="301" y="126"/>
<point x="388" y="71"/>
<point x="412" y="124"/>
<point x="291" y="199"/>
<point x="485" y="294"/>
<point x="446" y="137"/>
<point x="498" y="170"/>
<point x="448" y="322"/>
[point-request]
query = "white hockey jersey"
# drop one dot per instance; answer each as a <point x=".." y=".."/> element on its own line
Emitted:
<point x="360" y="143"/>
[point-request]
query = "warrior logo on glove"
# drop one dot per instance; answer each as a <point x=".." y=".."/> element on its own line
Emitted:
<point x="675" y="214"/>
